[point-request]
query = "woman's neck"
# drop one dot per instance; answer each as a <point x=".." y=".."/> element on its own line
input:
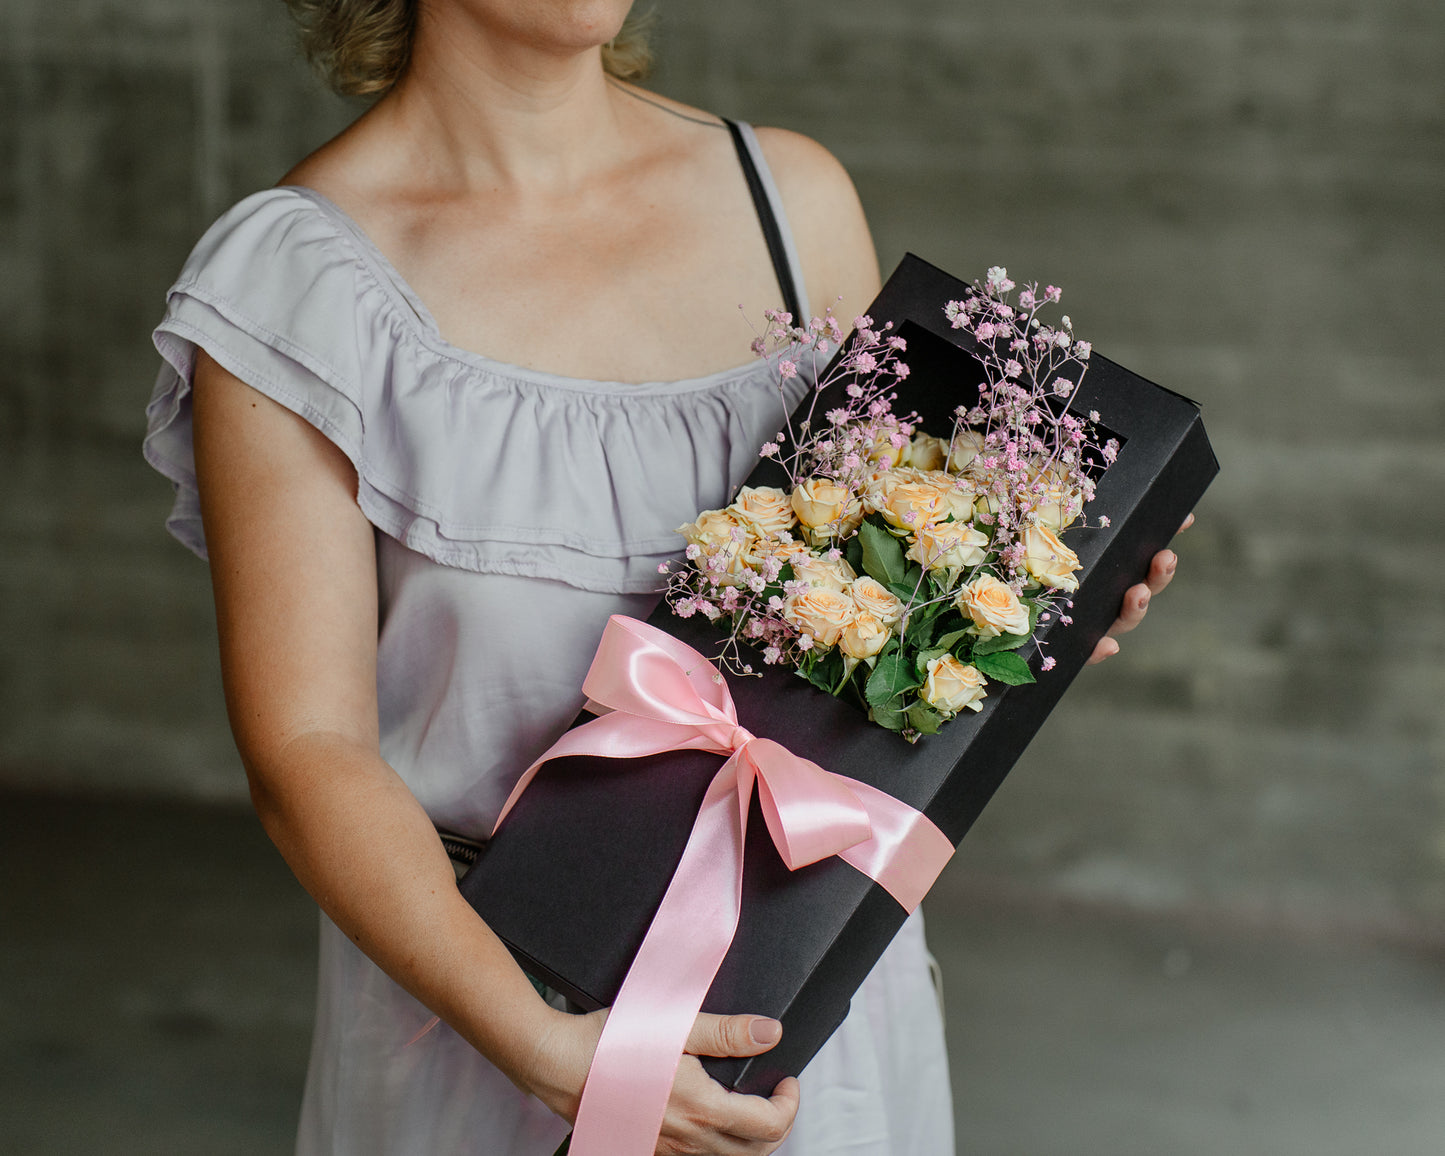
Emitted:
<point x="483" y="106"/>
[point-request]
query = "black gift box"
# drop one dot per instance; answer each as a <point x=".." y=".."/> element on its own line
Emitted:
<point x="573" y="878"/>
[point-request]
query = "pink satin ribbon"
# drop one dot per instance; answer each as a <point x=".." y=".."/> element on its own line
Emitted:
<point x="654" y="694"/>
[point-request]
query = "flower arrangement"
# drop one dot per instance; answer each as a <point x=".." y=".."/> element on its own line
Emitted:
<point x="902" y="568"/>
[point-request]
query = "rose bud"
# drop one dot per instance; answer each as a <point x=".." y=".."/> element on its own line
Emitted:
<point x="994" y="608"/>
<point x="1048" y="559"/>
<point x="823" y="613"/>
<point x="952" y="686"/>
<point x="876" y="599"/>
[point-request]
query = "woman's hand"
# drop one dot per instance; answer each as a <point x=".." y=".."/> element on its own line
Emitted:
<point x="1136" y="601"/>
<point x="703" y="1118"/>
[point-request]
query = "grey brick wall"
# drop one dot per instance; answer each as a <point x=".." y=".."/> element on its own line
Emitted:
<point x="1244" y="201"/>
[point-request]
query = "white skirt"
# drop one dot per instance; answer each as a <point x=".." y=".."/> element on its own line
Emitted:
<point x="878" y="1087"/>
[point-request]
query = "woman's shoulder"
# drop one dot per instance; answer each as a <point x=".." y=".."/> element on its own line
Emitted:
<point x="827" y="220"/>
<point x="263" y="241"/>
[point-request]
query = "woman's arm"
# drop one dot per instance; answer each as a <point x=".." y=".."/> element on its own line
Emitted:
<point x="294" y="572"/>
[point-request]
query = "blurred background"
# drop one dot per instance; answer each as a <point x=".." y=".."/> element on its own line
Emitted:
<point x="1205" y="914"/>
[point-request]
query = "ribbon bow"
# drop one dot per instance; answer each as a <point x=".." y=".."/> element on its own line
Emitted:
<point x="654" y="693"/>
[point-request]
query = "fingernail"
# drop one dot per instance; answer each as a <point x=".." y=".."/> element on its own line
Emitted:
<point x="765" y="1031"/>
<point x="1173" y="561"/>
<point x="1144" y="602"/>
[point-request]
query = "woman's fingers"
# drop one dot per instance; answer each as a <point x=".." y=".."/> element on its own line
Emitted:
<point x="1136" y="604"/>
<point x="1136" y="601"/>
<point x="765" y="1121"/>
<point x="1161" y="570"/>
<point x="703" y="1116"/>
<point x="742" y="1035"/>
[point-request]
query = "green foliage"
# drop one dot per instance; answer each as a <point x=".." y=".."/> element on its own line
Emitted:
<point x="890" y="678"/>
<point x="882" y="555"/>
<point x="1005" y="666"/>
<point x="930" y="632"/>
<point x="953" y="638"/>
<point x="998" y="643"/>
<point x="923" y="718"/>
<point x="925" y="657"/>
<point x="888" y="715"/>
<point x="825" y="671"/>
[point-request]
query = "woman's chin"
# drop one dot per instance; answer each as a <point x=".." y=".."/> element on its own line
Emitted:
<point x="558" y="25"/>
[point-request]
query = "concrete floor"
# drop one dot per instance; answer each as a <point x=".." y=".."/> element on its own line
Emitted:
<point x="156" y="969"/>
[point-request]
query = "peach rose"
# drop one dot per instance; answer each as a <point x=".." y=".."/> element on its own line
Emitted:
<point x="821" y="612"/>
<point x="952" y="686"/>
<point x="876" y="599"/>
<point x="877" y="488"/>
<point x="926" y="452"/>
<point x="994" y="608"/>
<point x="711" y="528"/>
<point x="967" y="445"/>
<point x="819" y="501"/>
<point x="826" y="509"/>
<point x="1060" y="503"/>
<point x="864" y="637"/>
<point x="882" y="447"/>
<point x="948" y="546"/>
<point x="761" y="549"/>
<point x="958" y="493"/>
<point x="1048" y="559"/>
<point x="764" y="509"/>
<point x="718" y="535"/>
<point x="820" y="573"/>
<point x="912" y="505"/>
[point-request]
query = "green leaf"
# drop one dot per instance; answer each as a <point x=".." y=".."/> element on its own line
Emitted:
<point x="923" y="718"/>
<point x="924" y="658"/>
<point x="1034" y="609"/>
<point x="902" y="590"/>
<point x="920" y="631"/>
<point x="882" y="555"/>
<point x="888" y="715"/>
<point x="998" y="643"/>
<point x="890" y="678"/>
<point x="930" y="612"/>
<point x="1006" y="667"/>
<point x="952" y="638"/>
<point x="816" y="671"/>
<point x="785" y="574"/>
<point x="853" y="552"/>
<point x="829" y="670"/>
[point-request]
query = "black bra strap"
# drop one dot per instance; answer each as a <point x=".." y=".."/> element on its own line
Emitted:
<point x="771" y="233"/>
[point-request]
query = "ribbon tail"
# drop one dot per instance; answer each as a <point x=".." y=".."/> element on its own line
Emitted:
<point x="625" y="1098"/>
<point x="906" y="853"/>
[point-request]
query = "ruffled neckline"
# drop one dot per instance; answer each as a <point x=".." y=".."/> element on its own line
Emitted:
<point x="418" y="317"/>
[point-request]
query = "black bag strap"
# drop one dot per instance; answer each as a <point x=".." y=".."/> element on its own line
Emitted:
<point x="769" y="221"/>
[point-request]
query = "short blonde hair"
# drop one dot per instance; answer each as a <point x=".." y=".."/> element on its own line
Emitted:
<point x="361" y="47"/>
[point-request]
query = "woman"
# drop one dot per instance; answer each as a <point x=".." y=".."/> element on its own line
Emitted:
<point x="424" y="481"/>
